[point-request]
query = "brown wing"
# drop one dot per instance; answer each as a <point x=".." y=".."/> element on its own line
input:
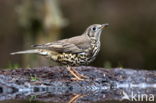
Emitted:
<point x="71" y="45"/>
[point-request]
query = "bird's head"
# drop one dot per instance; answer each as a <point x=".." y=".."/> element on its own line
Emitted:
<point x="94" y="31"/>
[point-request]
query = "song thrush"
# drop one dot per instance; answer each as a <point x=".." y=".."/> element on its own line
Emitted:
<point x="75" y="51"/>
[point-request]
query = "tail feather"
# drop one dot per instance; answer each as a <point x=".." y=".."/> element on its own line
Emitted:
<point x="26" y="52"/>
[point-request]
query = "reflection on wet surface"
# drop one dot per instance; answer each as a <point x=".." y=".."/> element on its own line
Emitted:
<point x="117" y="85"/>
<point x="121" y="95"/>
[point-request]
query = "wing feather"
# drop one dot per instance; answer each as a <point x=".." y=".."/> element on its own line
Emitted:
<point x="71" y="45"/>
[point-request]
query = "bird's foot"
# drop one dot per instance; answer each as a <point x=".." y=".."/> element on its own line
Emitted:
<point x="79" y="77"/>
<point x="83" y="76"/>
<point x="76" y="75"/>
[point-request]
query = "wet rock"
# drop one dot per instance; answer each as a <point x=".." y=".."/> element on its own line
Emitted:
<point x="56" y="81"/>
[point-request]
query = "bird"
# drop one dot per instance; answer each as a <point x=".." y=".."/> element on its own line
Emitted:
<point x="75" y="51"/>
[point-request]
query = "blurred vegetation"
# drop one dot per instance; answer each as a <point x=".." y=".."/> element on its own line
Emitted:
<point x="13" y="66"/>
<point x="129" y="42"/>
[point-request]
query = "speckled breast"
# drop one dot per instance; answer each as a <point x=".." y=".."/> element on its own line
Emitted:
<point x="73" y="59"/>
<point x="77" y="59"/>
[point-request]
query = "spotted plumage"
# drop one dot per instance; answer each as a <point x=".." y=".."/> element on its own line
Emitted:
<point x="75" y="51"/>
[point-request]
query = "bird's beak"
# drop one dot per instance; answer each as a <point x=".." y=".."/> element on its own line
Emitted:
<point x="104" y="26"/>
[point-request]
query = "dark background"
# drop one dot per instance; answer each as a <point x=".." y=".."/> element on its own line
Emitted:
<point x="129" y="42"/>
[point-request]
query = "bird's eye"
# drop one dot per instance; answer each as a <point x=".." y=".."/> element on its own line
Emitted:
<point x="94" y="28"/>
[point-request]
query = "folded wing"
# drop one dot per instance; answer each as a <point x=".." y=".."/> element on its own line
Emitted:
<point x="71" y="45"/>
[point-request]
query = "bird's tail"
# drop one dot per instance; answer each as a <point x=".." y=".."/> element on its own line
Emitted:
<point x="26" y="52"/>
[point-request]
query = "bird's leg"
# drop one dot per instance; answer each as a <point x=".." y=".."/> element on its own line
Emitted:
<point x="75" y="74"/>
<point x="75" y="98"/>
<point x="78" y="74"/>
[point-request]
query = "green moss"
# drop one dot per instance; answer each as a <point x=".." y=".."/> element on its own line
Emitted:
<point x="13" y="66"/>
<point x="34" y="78"/>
